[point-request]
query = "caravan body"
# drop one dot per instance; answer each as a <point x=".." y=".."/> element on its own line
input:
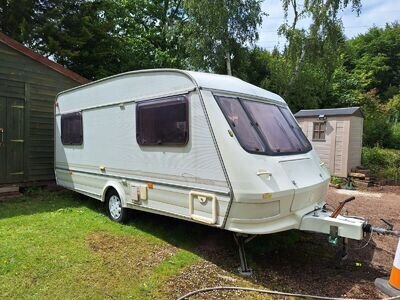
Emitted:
<point x="202" y="147"/>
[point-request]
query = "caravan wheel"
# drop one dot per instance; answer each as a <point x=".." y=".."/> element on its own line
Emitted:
<point x="115" y="210"/>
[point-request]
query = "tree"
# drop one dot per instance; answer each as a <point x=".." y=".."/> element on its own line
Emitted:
<point x="374" y="56"/>
<point x="100" y="38"/>
<point x="216" y="27"/>
<point x="17" y="18"/>
<point x="313" y="54"/>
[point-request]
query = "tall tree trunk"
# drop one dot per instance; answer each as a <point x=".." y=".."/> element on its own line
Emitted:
<point x="228" y="63"/>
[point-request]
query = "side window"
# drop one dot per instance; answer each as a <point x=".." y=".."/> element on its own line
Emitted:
<point x="318" y="131"/>
<point x="163" y="121"/>
<point x="71" y="129"/>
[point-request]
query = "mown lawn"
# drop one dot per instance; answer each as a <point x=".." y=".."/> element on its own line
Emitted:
<point x="61" y="245"/>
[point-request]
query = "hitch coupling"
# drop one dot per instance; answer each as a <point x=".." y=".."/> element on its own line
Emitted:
<point x="368" y="228"/>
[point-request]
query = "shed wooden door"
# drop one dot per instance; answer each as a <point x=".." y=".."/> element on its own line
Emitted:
<point x="12" y="136"/>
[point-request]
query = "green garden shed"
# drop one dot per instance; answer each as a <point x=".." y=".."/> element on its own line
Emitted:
<point x="29" y="84"/>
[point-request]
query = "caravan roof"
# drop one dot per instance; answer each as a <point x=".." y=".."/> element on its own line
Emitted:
<point x="199" y="79"/>
<point x="230" y="83"/>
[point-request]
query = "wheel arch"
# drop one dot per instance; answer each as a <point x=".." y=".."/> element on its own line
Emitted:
<point x="117" y="187"/>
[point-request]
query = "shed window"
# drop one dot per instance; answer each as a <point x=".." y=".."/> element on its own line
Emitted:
<point x="71" y="129"/>
<point x="163" y="121"/>
<point x="319" y="131"/>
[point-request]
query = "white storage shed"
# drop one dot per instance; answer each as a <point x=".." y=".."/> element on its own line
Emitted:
<point x="336" y="135"/>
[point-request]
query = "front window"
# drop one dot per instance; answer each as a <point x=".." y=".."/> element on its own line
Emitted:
<point x="263" y="127"/>
<point x="237" y="118"/>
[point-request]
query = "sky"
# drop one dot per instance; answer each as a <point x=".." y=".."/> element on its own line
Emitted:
<point x="373" y="12"/>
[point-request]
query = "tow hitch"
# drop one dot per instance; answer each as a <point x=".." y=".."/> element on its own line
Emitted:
<point x="338" y="210"/>
<point x="331" y="223"/>
<point x="368" y="228"/>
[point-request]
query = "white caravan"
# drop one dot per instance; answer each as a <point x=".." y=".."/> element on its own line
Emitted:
<point x="206" y="148"/>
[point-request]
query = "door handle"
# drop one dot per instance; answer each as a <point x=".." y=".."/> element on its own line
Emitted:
<point x="262" y="172"/>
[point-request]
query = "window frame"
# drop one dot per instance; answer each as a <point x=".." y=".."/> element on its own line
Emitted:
<point x="63" y="117"/>
<point x="268" y="151"/>
<point x="163" y="99"/>
<point x="319" y="131"/>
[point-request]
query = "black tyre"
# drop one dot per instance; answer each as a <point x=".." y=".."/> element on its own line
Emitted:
<point x="115" y="211"/>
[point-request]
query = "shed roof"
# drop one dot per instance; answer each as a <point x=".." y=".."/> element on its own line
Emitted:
<point x="345" y="111"/>
<point x="41" y="59"/>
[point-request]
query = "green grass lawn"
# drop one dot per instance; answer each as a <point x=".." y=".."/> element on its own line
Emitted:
<point x="61" y="245"/>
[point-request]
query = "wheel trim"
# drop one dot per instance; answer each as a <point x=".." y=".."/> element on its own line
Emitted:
<point x="115" y="207"/>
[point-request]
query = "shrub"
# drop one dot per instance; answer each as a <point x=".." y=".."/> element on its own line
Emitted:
<point x="383" y="163"/>
<point x="395" y="136"/>
<point x="376" y="131"/>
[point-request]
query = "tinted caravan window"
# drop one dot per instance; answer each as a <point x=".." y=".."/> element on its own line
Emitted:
<point x="71" y="129"/>
<point x="241" y="124"/>
<point x="277" y="127"/>
<point x="262" y="127"/>
<point x="163" y="121"/>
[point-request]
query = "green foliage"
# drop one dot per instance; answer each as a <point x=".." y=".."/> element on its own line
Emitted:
<point x="217" y="27"/>
<point x="100" y="38"/>
<point x="376" y="125"/>
<point x="337" y="180"/>
<point x="383" y="163"/>
<point x="17" y="18"/>
<point x="374" y="56"/>
<point x="312" y="54"/>
<point x="394" y="141"/>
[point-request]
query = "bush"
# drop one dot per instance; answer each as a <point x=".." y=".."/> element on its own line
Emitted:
<point x="376" y="131"/>
<point x="383" y="163"/>
<point x="395" y="136"/>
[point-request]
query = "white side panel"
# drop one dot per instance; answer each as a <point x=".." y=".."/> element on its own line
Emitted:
<point x="110" y="142"/>
<point x="170" y="201"/>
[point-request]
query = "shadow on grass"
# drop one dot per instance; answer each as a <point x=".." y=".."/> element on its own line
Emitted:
<point x="39" y="202"/>
<point x="290" y="261"/>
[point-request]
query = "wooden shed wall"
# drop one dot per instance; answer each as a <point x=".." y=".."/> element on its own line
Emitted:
<point x="355" y="142"/>
<point x="25" y="78"/>
<point x="334" y="150"/>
